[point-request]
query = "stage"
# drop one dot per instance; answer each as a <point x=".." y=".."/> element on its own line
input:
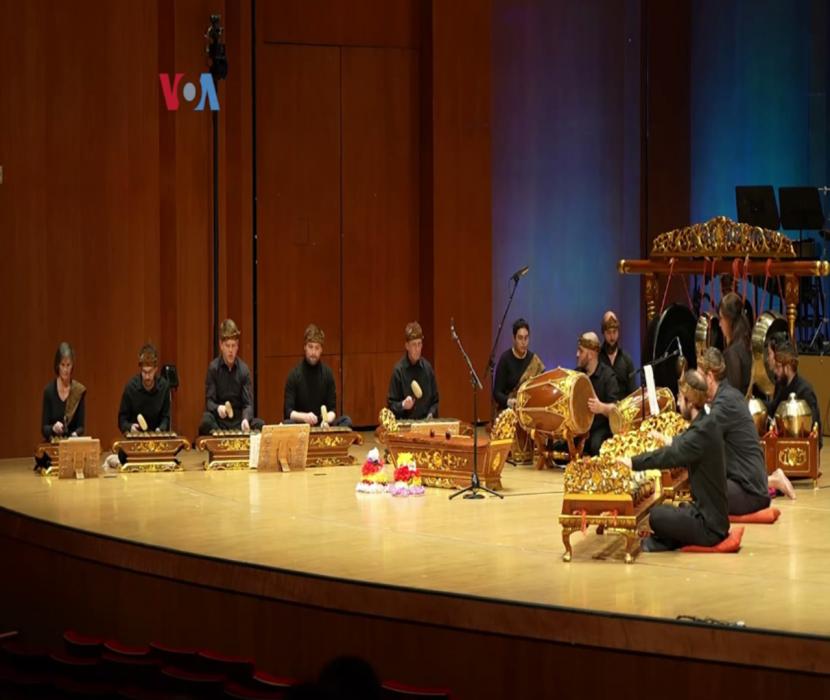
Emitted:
<point x="491" y="567"/>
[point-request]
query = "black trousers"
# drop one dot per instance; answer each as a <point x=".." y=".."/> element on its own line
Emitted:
<point x="676" y="527"/>
<point x="742" y="502"/>
<point x="595" y="439"/>
<point x="210" y="422"/>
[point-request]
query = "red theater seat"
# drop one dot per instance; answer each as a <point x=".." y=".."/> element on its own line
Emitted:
<point x="392" y="690"/>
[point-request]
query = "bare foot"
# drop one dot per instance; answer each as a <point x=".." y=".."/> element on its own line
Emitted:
<point x="779" y="481"/>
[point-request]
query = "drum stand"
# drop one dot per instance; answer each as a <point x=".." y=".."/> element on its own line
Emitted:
<point x="472" y="491"/>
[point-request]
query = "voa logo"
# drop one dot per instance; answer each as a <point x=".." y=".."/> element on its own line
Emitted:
<point x="170" y="92"/>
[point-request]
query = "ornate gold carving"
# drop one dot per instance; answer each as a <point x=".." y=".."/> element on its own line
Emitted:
<point x="651" y="291"/>
<point x="723" y="238"/>
<point x="438" y="482"/>
<point x="388" y="421"/>
<point x="228" y="465"/>
<point x="792" y="456"/>
<point x="504" y="427"/>
<point x="150" y="467"/>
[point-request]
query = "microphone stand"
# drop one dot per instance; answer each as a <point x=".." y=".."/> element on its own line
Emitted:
<point x="491" y="363"/>
<point x="472" y="491"/>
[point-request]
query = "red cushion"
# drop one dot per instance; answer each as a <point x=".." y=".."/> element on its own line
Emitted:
<point x="766" y="516"/>
<point x="730" y="545"/>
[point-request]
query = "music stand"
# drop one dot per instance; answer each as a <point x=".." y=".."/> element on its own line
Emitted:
<point x="756" y="206"/>
<point x="800" y="209"/>
<point x="282" y="447"/>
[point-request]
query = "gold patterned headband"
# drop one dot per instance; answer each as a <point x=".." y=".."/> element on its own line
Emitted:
<point x="588" y="343"/>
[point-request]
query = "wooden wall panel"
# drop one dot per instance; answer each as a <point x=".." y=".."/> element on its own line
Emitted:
<point x="107" y="200"/>
<point x="298" y="185"/>
<point x="461" y="197"/>
<point x="341" y="22"/>
<point x="79" y="203"/>
<point x="193" y="197"/>
<point x="380" y="176"/>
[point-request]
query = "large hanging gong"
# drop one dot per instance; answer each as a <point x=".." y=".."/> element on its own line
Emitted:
<point x="676" y="321"/>
<point x="768" y="324"/>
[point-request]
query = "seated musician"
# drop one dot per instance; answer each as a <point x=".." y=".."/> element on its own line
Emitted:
<point x="789" y="381"/>
<point x="310" y="386"/>
<point x="705" y="521"/>
<point x="412" y="367"/>
<point x="146" y="395"/>
<point x="614" y="356"/>
<point x="63" y="402"/>
<point x="228" y="383"/>
<point x="605" y="386"/>
<point x="737" y="336"/>
<point x="747" y="487"/>
<point x="516" y="365"/>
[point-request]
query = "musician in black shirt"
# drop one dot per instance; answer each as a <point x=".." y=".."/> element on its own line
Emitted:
<point x="64" y="408"/>
<point x="516" y="365"/>
<point x="605" y="386"/>
<point x="228" y="382"/>
<point x="614" y="356"/>
<point x="705" y="521"/>
<point x="146" y="395"/>
<point x="310" y="386"/>
<point x="412" y="367"/>
<point x="789" y="381"/>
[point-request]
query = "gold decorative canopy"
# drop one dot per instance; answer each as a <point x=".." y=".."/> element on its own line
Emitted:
<point x="722" y="238"/>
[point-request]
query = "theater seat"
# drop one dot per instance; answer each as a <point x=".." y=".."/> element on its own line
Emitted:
<point x="392" y="690"/>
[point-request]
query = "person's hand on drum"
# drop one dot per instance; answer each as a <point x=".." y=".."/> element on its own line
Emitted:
<point x="408" y="403"/>
<point x="596" y="406"/>
<point x="663" y="439"/>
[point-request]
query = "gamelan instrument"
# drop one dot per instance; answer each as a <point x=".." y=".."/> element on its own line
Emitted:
<point x="445" y="460"/>
<point x="758" y="411"/>
<point x="387" y="423"/>
<point x="554" y="404"/>
<point x="151" y="452"/>
<point x="676" y="321"/>
<point x="616" y="499"/>
<point x="71" y="457"/>
<point x="708" y="333"/>
<point x="739" y="249"/>
<point x="327" y="446"/>
<point x="793" y="445"/>
<point x="768" y="324"/>
<point x="628" y="413"/>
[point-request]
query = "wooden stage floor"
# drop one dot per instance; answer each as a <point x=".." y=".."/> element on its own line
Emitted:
<point x="508" y="550"/>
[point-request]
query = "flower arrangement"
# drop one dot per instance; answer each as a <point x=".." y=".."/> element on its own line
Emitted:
<point x="373" y="474"/>
<point x="407" y="479"/>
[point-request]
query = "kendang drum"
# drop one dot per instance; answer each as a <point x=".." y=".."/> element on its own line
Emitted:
<point x="769" y="324"/>
<point x="555" y="403"/>
<point x="630" y="412"/>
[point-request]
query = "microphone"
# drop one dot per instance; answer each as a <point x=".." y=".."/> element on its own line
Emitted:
<point x="521" y="272"/>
